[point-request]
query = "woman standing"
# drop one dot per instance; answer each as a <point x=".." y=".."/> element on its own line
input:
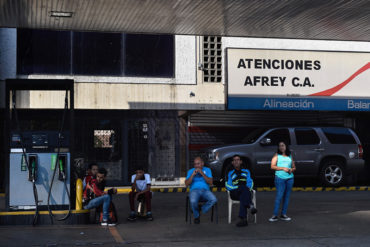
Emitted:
<point x="283" y="165"/>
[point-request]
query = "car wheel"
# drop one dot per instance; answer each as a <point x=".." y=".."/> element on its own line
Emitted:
<point x="332" y="173"/>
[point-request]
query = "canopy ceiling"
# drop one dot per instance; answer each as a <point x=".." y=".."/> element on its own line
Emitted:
<point x="303" y="19"/>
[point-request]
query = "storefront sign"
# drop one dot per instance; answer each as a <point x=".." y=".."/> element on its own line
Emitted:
<point x="298" y="80"/>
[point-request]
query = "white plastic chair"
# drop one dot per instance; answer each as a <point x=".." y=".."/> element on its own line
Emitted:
<point x="231" y="202"/>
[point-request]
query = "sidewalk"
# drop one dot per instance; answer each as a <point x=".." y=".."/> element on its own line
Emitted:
<point x="331" y="218"/>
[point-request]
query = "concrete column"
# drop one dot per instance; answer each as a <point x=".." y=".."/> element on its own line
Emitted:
<point x="8" y="59"/>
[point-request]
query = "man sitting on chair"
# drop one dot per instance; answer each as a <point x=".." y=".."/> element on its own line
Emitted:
<point x="140" y="187"/>
<point x="199" y="179"/>
<point x="240" y="184"/>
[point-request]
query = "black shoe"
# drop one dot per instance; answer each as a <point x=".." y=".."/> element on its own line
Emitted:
<point x="108" y="223"/>
<point x="132" y="217"/>
<point x="254" y="210"/>
<point x="242" y="222"/>
<point x="196" y="220"/>
<point x="149" y="217"/>
<point x="285" y="217"/>
<point x="273" y="218"/>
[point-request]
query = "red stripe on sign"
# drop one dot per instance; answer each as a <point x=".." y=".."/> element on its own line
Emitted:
<point x="335" y="89"/>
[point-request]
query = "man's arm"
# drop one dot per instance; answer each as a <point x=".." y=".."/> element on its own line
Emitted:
<point x="209" y="180"/>
<point x="189" y="180"/>
<point x="229" y="183"/>
<point x="249" y="180"/>
<point x="95" y="189"/>
<point x="133" y="183"/>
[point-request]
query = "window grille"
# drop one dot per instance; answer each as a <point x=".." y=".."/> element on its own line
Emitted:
<point x="212" y="59"/>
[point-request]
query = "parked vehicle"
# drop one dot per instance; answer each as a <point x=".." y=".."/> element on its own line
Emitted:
<point x="332" y="153"/>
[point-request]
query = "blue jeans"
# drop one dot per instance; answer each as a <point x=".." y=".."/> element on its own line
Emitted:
<point x="283" y="189"/>
<point x="96" y="202"/>
<point x="197" y="195"/>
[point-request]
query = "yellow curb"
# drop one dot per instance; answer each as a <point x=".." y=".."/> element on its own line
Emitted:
<point x="44" y="212"/>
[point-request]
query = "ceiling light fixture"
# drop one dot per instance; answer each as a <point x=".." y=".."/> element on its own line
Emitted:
<point x="62" y="14"/>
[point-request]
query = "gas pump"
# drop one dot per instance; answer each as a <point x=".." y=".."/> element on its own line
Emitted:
<point x="37" y="157"/>
<point x="42" y="162"/>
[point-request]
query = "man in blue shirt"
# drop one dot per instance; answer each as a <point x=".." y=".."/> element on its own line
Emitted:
<point x="199" y="179"/>
<point x="240" y="184"/>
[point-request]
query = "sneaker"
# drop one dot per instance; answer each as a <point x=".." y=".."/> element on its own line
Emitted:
<point x="132" y="217"/>
<point x="197" y="220"/>
<point x="107" y="223"/>
<point x="242" y="222"/>
<point x="149" y="217"/>
<point x="254" y="210"/>
<point x="285" y="217"/>
<point x="273" y="218"/>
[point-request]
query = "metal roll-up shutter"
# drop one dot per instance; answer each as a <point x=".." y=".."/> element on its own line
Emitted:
<point x="265" y="118"/>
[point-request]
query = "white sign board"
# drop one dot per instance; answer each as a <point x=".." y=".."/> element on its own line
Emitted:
<point x="299" y="74"/>
<point x="304" y="73"/>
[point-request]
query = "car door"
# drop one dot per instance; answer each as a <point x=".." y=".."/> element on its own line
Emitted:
<point x="263" y="152"/>
<point x="306" y="150"/>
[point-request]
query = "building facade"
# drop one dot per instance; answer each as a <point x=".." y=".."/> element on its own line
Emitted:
<point x="150" y="100"/>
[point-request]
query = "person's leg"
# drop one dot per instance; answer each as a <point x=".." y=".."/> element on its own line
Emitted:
<point x="234" y="195"/>
<point x="210" y="199"/>
<point x="280" y="188"/>
<point x="107" y="199"/>
<point x="94" y="203"/>
<point x="194" y="199"/>
<point x="148" y="203"/>
<point x="245" y="201"/>
<point x="131" y="197"/>
<point x="288" y="188"/>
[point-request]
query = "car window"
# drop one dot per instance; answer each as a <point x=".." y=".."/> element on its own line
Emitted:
<point x="306" y="136"/>
<point x="339" y="135"/>
<point x="279" y="135"/>
<point x="253" y="136"/>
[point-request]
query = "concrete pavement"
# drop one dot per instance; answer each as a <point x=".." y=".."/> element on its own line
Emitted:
<point x="319" y="219"/>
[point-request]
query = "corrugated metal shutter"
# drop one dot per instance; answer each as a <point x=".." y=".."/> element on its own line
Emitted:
<point x="265" y="118"/>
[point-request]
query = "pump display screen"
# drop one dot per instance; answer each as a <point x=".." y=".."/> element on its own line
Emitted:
<point x="40" y="141"/>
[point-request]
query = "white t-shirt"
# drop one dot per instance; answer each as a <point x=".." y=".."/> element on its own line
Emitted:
<point x="141" y="184"/>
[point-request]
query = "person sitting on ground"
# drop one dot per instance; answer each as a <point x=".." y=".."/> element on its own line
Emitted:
<point x="240" y="184"/>
<point x="96" y="196"/>
<point x="92" y="170"/>
<point x="140" y="187"/>
<point x="199" y="179"/>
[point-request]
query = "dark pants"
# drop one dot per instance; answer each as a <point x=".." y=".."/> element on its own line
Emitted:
<point x="242" y="194"/>
<point x="147" y="195"/>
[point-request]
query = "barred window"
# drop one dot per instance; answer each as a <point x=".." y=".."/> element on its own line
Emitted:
<point x="212" y="57"/>
<point x="103" y="138"/>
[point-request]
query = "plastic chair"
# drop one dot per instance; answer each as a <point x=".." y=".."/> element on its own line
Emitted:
<point x="141" y="207"/>
<point x="231" y="202"/>
<point x="200" y="203"/>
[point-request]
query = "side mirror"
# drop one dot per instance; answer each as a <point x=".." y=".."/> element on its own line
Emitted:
<point x="265" y="141"/>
